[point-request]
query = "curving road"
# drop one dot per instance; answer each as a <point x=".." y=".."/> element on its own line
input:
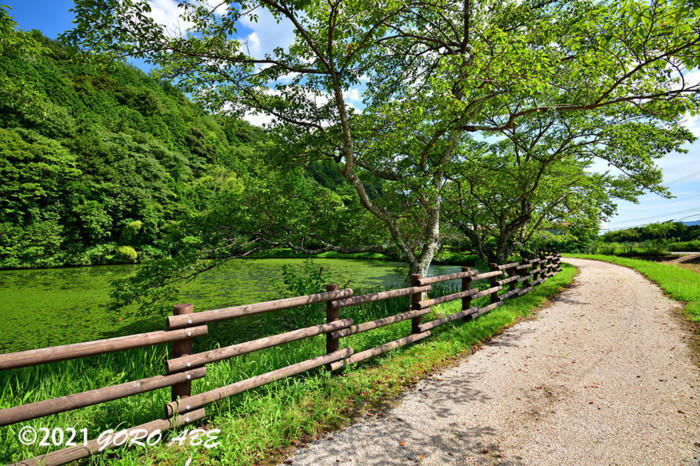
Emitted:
<point x="602" y="376"/>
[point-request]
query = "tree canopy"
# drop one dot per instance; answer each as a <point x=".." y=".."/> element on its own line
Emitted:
<point x="436" y="77"/>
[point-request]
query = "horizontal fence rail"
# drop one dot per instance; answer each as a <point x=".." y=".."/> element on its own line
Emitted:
<point x="510" y="280"/>
<point x="371" y="325"/>
<point x="201" y="399"/>
<point x="67" y="455"/>
<point x="219" y="354"/>
<point x="92" y="397"/>
<point x="377" y="350"/>
<point x="447" y="277"/>
<point x="380" y="296"/>
<point x="249" y="309"/>
<point x="92" y="348"/>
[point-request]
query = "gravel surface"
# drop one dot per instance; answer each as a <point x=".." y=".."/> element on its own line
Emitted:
<point x="602" y="376"/>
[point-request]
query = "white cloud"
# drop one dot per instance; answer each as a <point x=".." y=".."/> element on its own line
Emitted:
<point x="258" y="119"/>
<point x="253" y="44"/>
<point x="682" y="176"/>
<point x="267" y="33"/>
<point x="167" y="14"/>
<point x="352" y="94"/>
<point x="693" y="124"/>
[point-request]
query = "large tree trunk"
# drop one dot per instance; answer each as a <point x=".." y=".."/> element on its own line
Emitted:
<point x="421" y="264"/>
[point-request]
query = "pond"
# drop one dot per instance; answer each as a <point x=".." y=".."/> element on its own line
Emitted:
<point x="46" y="307"/>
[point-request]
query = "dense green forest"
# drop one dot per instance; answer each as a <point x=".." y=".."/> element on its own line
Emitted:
<point x="101" y="163"/>
<point x="97" y="162"/>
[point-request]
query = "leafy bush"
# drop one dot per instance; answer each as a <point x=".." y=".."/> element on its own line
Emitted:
<point x="127" y="252"/>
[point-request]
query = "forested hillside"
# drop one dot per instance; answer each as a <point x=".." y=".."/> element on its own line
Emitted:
<point x="97" y="161"/>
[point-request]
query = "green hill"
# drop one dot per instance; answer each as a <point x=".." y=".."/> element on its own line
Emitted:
<point x="96" y="160"/>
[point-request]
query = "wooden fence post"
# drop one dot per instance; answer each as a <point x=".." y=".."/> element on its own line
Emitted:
<point x="550" y="263"/>
<point x="545" y="265"/>
<point x="511" y="273"/>
<point x="554" y="263"/>
<point x="467" y="300"/>
<point x="332" y="313"/>
<point x="494" y="282"/>
<point x="528" y="271"/>
<point x="415" y="303"/>
<point x="182" y="348"/>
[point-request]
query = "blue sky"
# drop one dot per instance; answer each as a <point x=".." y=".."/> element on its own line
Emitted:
<point x="681" y="171"/>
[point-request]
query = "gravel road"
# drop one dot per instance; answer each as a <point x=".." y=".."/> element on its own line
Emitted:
<point x="602" y="376"/>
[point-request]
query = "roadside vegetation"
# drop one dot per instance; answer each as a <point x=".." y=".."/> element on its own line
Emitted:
<point x="679" y="283"/>
<point x="653" y="240"/>
<point x="257" y="423"/>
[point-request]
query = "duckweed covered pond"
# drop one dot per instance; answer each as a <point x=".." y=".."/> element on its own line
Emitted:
<point x="45" y="307"/>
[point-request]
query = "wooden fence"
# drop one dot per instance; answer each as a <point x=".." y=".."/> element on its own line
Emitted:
<point x="514" y="278"/>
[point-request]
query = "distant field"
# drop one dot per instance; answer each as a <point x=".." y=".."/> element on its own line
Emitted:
<point x="647" y="248"/>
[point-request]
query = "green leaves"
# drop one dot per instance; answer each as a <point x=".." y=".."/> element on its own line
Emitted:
<point x="86" y="153"/>
<point x="437" y="80"/>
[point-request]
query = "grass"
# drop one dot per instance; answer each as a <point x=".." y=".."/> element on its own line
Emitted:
<point x="259" y="423"/>
<point x="643" y="249"/>
<point x="695" y="267"/>
<point x="679" y="283"/>
<point x="649" y="248"/>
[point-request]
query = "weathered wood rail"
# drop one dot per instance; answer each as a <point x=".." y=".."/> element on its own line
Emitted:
<point x="504" y="281"/>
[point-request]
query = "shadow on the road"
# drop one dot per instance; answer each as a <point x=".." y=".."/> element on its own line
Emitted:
<point x="433" y="425"/>
<point x="426" y="437"/>
<point x="567" y="300"/>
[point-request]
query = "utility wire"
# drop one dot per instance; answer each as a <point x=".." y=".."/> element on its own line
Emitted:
<point x="652" y="217"/>
<point x="683" y="178"/>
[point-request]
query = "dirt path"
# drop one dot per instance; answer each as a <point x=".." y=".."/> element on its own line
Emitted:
<point x="603" y="376"/>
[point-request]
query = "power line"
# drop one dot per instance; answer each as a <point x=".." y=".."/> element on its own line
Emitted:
<point x="693" y="209"/>
<point x="649" y="223"/>
<point x="683" y="178"/>
<point x="689" y="216"/>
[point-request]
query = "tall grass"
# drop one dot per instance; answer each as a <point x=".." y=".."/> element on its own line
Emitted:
<point x="257" y="422"/>
<point x="636" y="249"/>
<point x="649" y="248"/>
<point x="680" y="284"/>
